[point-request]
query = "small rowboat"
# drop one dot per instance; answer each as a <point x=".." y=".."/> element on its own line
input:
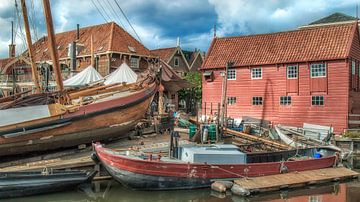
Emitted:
<point x="197" y="167"/>
<point x="18" y="184"/>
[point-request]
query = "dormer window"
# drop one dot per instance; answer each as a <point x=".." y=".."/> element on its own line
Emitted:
<point x="132" y="49"/>
<point x="176" y="61"/>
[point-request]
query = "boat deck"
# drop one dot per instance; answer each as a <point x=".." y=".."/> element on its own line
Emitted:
<point x="295" y="179"/>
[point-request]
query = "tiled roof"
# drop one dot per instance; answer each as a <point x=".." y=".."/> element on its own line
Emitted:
<point x="335" y="17"/>
<point x="107" y="37"/>
<point x="312" y="44"/>
<point x="164" y="53"/>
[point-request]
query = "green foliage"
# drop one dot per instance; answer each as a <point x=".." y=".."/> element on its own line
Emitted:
<point x="352" y="134"/>
<point x="192" y="95"/>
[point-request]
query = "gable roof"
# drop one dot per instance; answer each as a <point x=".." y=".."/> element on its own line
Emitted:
<point x="333" y="18"/>
<point x="164" y="53"/>
<point x="106" y="37"/>
<point x="312" y="44"/>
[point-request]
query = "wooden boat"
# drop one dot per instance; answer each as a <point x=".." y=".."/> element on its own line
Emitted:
<point x="163" y="173"/>
<point x="18" y="184"/>
<point x="94" y="114"/>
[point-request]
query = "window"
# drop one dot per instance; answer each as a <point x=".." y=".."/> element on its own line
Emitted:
<point x="285" y="100"/>
<point x="318" y="70"/>
<point x="231" y="74"/>
<point x="231" y="100"/>
<point x="257" y="101"/>
<point x="317" y="100"/>
<point x="134" y="63"/>
<point x="256" y="73"/>
<point x="353" y="67"/>
<point x="292" y="72"/>
<point x="176" y="61"/>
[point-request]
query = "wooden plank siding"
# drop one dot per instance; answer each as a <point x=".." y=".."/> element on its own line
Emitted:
<point x="274" y="84"/>
<point x="354" y="93"/>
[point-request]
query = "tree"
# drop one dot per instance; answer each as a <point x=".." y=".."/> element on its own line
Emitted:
<point x="193" y="95"/>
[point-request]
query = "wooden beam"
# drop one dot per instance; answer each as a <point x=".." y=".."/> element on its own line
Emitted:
<point x="92" y="51"/>
<point x="34" y="72"/>
<point x="52" y="44"/>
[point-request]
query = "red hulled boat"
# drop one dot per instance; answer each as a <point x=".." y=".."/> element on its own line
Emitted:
<point x="162" y="173"/>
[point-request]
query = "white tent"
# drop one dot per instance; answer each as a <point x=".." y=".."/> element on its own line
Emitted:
<point x="86" y="76"/>
<point x="122" y="74"/>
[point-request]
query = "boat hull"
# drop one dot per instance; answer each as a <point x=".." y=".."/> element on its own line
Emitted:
<point x="81" y="127"/>
<point x="162" y="175"/>
<point x="34" y="184"/>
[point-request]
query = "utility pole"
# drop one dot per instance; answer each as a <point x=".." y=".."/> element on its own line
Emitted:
<point x="51" y="45"/>
<point x="35" y="75"/>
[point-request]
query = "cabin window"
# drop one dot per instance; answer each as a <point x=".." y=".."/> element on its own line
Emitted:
<point x="176" y="61"/>
<point x="317" y="100"/>
<point x="209" y="76"/>
<point x="256" y="73"/>
<point x="292" y="72"/>
<point x="285" y="100"/>
<point x="134" y="63"/>
<point x="318" y="70"/>
<point x="257" y="101"/>
<point x="353" y="67"/>
<point x="231" y="74"/>
<point x="231" y="100"/>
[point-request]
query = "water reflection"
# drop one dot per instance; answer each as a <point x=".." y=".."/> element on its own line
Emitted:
<point x="109" y="191"/>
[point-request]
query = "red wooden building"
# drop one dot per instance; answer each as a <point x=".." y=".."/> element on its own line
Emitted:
<point x="308" y="75"/>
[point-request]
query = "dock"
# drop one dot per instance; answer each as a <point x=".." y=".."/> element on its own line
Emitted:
<point x="277" y="182"/>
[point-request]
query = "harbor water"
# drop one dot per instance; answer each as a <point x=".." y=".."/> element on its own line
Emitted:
<point x="111" y="191"/>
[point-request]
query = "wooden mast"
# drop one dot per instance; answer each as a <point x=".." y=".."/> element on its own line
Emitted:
<point x="51" y="45"/>
<point x="92" y="51"/>
<point x="35" y="75"/>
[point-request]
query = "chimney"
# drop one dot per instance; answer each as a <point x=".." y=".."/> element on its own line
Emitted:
<point x="77" y="31"/>
<point x="12" y="45"/>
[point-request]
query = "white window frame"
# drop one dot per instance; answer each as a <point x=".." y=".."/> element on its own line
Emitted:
<point x="257" y="101"/>
<point x="256" y="71"/>
<point x="285" y="100"/>
<point x="177" y="58"/>
<point x="353" y="67"/>
<point x="137" y="65"/>
<point x="228" y="74"/>
<point x="318" y="100"/>
<point x="231" y="100"/>
<point x="318" y="66"/>
<point x="290" y="72"/>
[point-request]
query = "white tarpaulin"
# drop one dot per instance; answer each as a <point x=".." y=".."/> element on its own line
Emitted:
<point x="86" y="76"/>
<point x="121" y="74"/>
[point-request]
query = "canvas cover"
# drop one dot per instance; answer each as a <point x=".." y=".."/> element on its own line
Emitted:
<point x="86" y="76"/>
<point x="122" y="74"/>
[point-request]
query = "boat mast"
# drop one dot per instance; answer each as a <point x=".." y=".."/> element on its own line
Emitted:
<point x="35" y="75"/>
<point x="92" y="51"/>
<point x="51" y="45"/>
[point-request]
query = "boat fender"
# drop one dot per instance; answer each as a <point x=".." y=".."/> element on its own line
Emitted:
<point x="219" y="187"/>
<point x="238" y="190"/>
<point x="95" y="158"/>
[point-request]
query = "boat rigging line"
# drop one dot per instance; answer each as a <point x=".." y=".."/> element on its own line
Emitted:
<point x="98" y="10"/>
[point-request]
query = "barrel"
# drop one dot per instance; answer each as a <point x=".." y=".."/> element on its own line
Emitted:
<point x="212" y="132"/>
<point x="192" y="131"/>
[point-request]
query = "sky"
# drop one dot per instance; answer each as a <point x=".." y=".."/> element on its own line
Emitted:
<point x="159" y="23"/>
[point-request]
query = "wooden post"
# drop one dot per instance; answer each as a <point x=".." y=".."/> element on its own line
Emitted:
<point x="35" y="75"/>
<point x="211" y="109"/>
<point x="205" y="113"/>
<point x="51" y="45"/>
<point x="92" y="51"/>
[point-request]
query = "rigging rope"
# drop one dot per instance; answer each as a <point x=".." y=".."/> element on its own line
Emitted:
<point x="98" y="10"/>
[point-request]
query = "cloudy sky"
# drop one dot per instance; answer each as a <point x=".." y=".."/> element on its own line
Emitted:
<point x="159" y="22"/>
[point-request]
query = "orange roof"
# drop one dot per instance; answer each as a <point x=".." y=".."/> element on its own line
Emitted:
<point x="164" y="53"/>
<point x="107" y="37"/>
<point x="312" y="44"/>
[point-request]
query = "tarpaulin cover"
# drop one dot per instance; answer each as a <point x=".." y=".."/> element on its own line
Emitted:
<point x="122" y="74"/>
<point x="86" y="76"/>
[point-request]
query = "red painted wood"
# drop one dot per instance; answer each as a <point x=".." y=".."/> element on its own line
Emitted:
<point x="203" y="170"/>
<point x="274" y="84"/>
